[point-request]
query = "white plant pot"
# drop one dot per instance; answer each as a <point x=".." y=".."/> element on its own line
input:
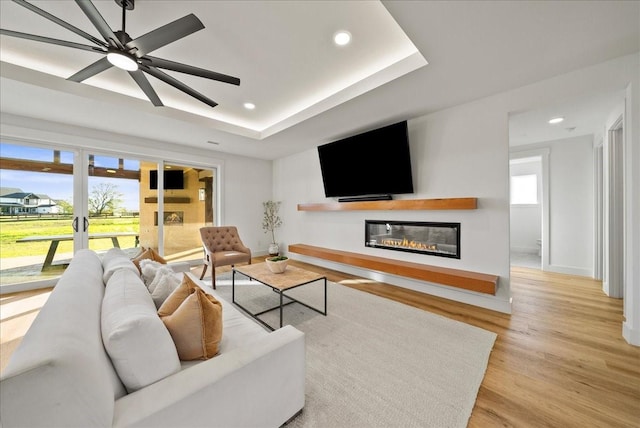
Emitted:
<point x="274" y="249"/>
<point x="277" y="267"/>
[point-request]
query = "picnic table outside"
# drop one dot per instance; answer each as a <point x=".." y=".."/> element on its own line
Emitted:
<point x="56" y="239"/>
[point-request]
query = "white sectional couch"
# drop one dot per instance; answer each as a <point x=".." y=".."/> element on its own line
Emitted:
<point x="62" y="376"/>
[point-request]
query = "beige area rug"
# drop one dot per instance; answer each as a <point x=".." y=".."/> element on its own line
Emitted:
<point x="373" y="362"/>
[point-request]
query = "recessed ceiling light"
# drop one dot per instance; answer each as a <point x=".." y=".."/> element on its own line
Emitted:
<point x="342" y="38"/>
<point x="556" y="120"/>
<point x="249" y="106"/>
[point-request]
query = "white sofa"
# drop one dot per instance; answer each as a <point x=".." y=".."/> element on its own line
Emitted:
<point x="61" y="375"/>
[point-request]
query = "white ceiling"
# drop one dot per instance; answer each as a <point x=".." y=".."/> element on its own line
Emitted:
<point x="307" y="90"/>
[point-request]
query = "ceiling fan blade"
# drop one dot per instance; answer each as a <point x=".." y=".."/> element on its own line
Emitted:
<point x="60" y="22"/>
<point x="146" y="87"/>
<point x="92" y="70"/>
<point x="178" y="85"/>
<point x="98" y="21"/>
<point x="51" y="41"/>
<point x="188" y="69"/>
<point x="166" y="34"/>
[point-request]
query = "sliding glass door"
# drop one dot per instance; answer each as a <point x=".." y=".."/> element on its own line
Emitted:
<point x="36" y="212"/>
<point x="113" y="203"/>
<point x="54" y="202"/>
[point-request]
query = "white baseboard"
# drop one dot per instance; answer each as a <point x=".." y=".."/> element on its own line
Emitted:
<point x="570" y="270"/>
<point x="524" y="250"/>
<point x="632" y="336"/>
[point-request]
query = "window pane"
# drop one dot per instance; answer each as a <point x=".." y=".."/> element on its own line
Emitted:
<point x="524" y="189"/>
<point x="114" y="204"/>
<point x="36" y="212"/>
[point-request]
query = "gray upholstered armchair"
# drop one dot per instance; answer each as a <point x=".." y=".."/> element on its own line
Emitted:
<point x="222" y="247"/>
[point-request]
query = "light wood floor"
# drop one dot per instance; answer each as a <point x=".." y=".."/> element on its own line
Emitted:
<point x="559" y="359"/>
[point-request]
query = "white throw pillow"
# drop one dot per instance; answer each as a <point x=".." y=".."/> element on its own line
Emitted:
<point x="116" y="259"/>
<point x="148" y="269"/>
<point x="137" y="341"/>
<point x="163" y="284"/>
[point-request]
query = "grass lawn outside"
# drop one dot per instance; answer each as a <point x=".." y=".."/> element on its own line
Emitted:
<point x="13" y="230"/>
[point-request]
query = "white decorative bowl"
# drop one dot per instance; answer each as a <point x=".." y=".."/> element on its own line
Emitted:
<point x="276" y="266"/>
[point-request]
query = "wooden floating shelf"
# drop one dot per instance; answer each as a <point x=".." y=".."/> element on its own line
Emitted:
<point x="474" y="281"/>
<point x="399" y="205"/>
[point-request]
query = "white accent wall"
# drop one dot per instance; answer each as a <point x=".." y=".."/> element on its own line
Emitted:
<point x="458" y="152"/>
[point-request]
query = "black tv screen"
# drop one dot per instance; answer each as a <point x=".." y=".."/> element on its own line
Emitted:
<point x="173" y="179"/>
<point x="377" y="162"/>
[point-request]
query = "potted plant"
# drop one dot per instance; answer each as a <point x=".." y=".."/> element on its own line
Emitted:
<point x="270" y="222"/>
<point x="277" y="264"/>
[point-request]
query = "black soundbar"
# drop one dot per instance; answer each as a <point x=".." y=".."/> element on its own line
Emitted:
<point x="366" y="198"/>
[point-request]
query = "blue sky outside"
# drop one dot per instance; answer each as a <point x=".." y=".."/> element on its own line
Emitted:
<point x="60" y="186"/>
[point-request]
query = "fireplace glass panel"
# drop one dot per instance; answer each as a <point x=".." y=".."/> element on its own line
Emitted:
<point x="436" y="239"/>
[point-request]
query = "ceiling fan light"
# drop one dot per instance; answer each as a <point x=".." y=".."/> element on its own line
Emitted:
<point x="122" y="60"/>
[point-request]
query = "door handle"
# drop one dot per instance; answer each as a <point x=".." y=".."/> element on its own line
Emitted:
<point x="86" y="224"/>
<point x="75" y="224"/>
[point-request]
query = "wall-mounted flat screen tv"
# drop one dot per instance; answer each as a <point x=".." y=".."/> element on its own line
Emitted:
<point x="376" y="162"/>
<point x="173" y="179"/>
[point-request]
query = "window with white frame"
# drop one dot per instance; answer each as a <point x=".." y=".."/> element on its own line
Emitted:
<point x="524" y="189"/>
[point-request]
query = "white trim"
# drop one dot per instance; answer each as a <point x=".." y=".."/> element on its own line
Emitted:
<point x="630" y="335"/>
<point x="27" y="286"/>
<point x="570" y="270"/>
<point x="598" y="160"/>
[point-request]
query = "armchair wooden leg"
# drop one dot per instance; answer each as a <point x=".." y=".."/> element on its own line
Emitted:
<point x="213" y="277"/>
<point x="204" y="270"/>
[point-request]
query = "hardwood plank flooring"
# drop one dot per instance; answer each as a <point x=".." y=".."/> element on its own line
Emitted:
<point x="559" y="359"/>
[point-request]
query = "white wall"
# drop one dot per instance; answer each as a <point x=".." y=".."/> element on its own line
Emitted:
<point x="571" y="206"/>
<point x="461" y="151"/>
<point x="526" y="220"/>
<point x="448" y="161"/>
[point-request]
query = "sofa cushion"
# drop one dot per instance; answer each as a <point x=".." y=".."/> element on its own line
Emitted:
<point x="113" y="260"/>
<point x="196" y="324"/>
<point x="164" y="283"/>
<point x="135" y="338"/>
<point x="60" y="374"/>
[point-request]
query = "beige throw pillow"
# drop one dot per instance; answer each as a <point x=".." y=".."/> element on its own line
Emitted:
<point x="151" y="254"/>
<point x="195" y="324"/>
<point x="175" y="299"/>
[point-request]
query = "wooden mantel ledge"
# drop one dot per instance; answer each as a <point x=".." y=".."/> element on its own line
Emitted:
<point x="474" y="281"/>
<point x="399" y="204"/>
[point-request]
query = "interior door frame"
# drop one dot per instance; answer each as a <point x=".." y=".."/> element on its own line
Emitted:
<point x="543" y="154"/>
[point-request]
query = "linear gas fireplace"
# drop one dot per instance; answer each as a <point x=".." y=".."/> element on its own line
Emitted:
<point x="435" y="239"/>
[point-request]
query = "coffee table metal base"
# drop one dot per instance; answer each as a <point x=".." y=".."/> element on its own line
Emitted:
<point x="281" y="296"/>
